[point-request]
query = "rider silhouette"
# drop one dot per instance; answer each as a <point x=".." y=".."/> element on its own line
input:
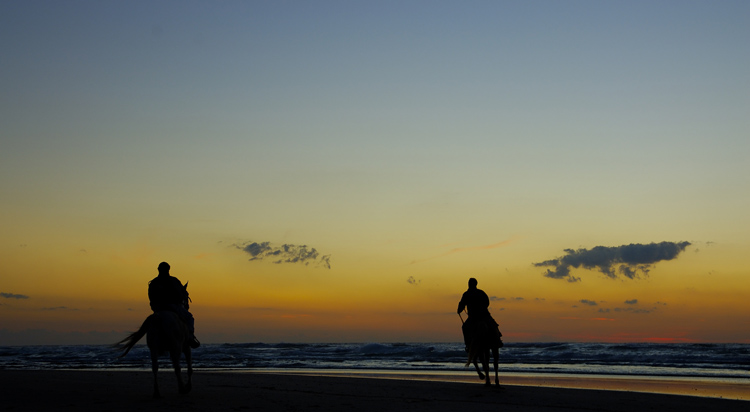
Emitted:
<point x="166" y="292"/>
<point x="476" y="303"/>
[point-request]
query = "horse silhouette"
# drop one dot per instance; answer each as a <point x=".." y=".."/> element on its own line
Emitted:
<point x="165" y="332"/>
<point x="483" y="338"/>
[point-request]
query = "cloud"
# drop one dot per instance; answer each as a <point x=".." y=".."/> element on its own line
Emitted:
<point x="469" y="249"/>
<point x="631" y="261"/>
<point x="484" y="247"/>
<point x="12" y="296"/>
<point x="634" y="310"/>
<point x="497" y="299"/>
<point x="630" y="309"/>
<point x="413" y="281"/>
<point x="285" y="254"/>
<point x="51" y="337"/>
<point x="59" y="308"/>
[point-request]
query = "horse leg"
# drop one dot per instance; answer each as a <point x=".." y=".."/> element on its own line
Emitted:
<point x="496" y="356"/>
<point x="189" y="361"/>
<point x="479" y="372"/>
<point x="155" y="370"/>
<point x="175" y="355"/>
<point x="486" y="366"/>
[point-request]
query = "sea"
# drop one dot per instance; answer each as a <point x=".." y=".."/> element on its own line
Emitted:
<point x="727" y="362"/>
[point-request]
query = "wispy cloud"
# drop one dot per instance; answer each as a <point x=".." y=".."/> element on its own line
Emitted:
<point x="510" y="299"/>
<point x="469" y="249"/>
<point x="632" y="307"/>
<point x="285" y="253"/>
<point x="631" y="261"/>
<point x="635" y="310"/>
<point x="12" y="296"/>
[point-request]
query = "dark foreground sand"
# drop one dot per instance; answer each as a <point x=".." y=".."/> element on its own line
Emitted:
<point x="222" y="391"/>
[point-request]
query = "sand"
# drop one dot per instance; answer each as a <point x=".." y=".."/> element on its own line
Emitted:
<point x="271" y="391"/>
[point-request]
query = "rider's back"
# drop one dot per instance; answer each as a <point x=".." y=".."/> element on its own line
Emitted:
<point x="164" y="291"/>
<point x="476" y="302"/>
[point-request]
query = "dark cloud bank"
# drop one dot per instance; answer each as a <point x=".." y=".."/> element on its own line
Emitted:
<point x="12" y="296"/>
<point x="631" y="261"/>
<point x="285" y="254"/>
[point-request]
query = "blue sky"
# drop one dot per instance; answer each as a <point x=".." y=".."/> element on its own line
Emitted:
<point x="381" y="133"/>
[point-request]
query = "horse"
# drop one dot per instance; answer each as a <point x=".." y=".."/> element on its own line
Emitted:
<point x="483" y="338"/>
<point x="165" y="332"/>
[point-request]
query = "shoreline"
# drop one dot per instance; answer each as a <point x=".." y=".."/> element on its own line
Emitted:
<point x="731" y="388"/>
<point x="68" y="390"/>
<point x="720" y="388"/>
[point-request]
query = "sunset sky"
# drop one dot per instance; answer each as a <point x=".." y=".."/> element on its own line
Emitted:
<point x="335" y="171"/>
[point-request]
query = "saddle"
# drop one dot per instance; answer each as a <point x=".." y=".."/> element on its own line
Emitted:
<point x="489" y="330"/>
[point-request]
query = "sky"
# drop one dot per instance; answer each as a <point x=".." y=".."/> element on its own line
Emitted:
<point x="336" y="171"/>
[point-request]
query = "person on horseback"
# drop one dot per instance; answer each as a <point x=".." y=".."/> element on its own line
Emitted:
<point x="476" y="303"/>
<point x="166" y="292"/>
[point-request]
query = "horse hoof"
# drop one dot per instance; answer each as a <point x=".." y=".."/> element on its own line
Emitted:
<point x="481" y="375"/>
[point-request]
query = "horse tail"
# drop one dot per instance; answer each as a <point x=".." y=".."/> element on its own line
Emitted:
<point x="130" y="341"/>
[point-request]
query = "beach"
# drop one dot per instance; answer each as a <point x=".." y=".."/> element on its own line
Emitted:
<point x="63" y="390"/>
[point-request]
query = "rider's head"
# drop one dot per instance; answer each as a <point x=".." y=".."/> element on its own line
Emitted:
<point x="472" y="283"/>
<point x="163" y="268"/>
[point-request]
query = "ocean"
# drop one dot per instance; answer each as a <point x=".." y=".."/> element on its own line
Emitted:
<point x="704" y="360"/>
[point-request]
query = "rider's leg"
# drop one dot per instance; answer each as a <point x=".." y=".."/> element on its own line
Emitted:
<point x="189" y="320"/>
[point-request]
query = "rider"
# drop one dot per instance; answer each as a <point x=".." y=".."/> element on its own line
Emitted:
<point x="476" y="303"/>
<point x="166" y="292"/>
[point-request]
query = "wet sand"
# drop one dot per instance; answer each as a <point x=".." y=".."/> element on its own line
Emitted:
<point x="273" y="391"/>
<point x="704" y="387"/>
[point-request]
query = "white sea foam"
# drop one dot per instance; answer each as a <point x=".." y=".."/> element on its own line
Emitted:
<point x="635" y="359"/>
